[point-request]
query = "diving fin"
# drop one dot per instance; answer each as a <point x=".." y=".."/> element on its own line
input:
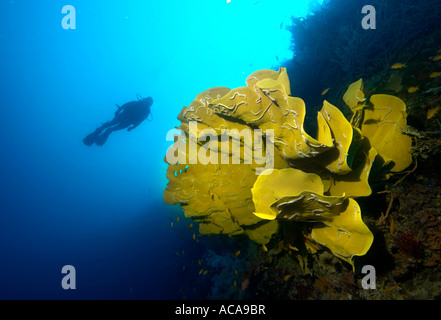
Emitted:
<point x="102" y="138"/>
<point x="90" y="139"/>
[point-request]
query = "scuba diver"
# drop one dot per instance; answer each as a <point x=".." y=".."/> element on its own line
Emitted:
<point x="129" y="116"/>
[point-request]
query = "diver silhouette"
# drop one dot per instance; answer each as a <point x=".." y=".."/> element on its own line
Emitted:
<point x="129" y="116"/>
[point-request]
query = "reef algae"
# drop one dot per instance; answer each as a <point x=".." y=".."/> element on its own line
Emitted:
<point x="313" y="180"/>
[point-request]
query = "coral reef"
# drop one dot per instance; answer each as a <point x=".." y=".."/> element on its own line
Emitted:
<point x="225" y="279"/>
<point x="399" y="206"/>
<point x="331" y="48"/>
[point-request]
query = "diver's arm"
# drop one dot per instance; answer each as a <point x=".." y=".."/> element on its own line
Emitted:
<point x="133" y="126"/>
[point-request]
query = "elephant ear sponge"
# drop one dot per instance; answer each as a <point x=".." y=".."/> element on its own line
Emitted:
<point x="383" y="125"/>
<point x="346" y="235"/>
<point x="309" y="179"/>
<point x="354" y="96"/>
<point x="292" y="194"/>
<point x="279" y="184"/>
<point x="342" y="134"/>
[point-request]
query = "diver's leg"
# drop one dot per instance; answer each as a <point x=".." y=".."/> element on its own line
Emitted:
<point x="120" y="126"/>
<point x="102" y="138"/>
<point x="106" y="125"/>
<point x="90" y="139"/>
<point x="99" y="135"/>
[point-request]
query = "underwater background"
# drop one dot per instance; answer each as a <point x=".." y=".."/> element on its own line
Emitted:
<point x="102" y="210"/>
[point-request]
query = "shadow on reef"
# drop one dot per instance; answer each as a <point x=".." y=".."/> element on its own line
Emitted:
<point x="378" y="255"/>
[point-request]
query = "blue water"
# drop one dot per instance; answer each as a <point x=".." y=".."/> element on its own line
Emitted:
<point x="100" y="209"/>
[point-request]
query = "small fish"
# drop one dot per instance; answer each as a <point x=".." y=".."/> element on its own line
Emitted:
<point x="392" y="225"/>
<point x="398" y="65"/>
<point x="236" y="273"/>
<point x="183" y="268"/>
<point x="434" y="74"/>
<point x="286" y="278"/>
<point x="183" y="252"/>
<point x="205" y="272"/>
<point x="237" y="253"/>
<point x="264" y="248"/>
<point x="413" y="89"/>
<point x="245" y="284"/>
<point x="235" y="283"/>
<point x="293" y="248"/>
<point x="199" y="262"/>
<point x="391" y="288"/>
<point x="412" y="131"/>
<point x="360" y="95"/>
<point x="200" y="271"/>
<point x="432" y="112"/>
<point x="436" y="58"/>
<point x="325" y="91"/>
<point x="177" y="219"/>
<point x="190" y="225"/>
<point x="194" y="236"/>
<point x="171" y="225"/>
